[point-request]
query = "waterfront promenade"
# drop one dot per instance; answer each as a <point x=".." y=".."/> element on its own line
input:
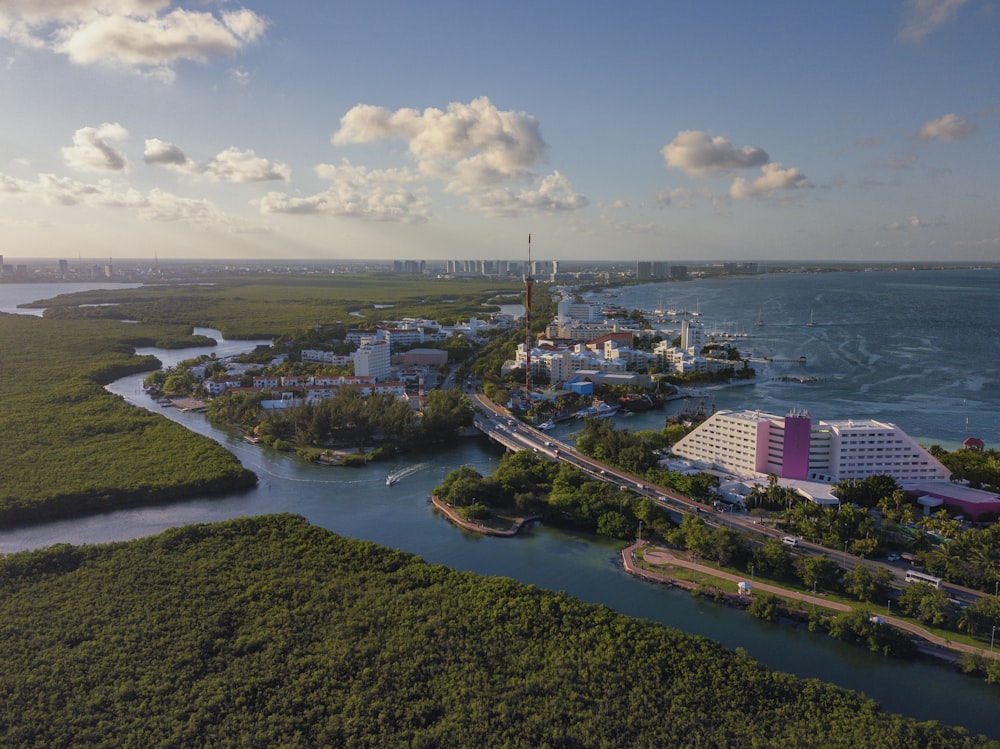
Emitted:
<point x="934" y="644"/>
<point x="477" y="527"/>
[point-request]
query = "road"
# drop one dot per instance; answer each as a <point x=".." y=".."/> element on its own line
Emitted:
<point x="497" y="423"/>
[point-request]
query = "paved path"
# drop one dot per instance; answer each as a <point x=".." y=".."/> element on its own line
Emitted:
<point x="664" y="556"/>
<point x="475" y="526"/>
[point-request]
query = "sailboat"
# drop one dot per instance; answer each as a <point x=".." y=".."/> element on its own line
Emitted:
<point x="760" y="318"/>
<point x="811" y="323"/>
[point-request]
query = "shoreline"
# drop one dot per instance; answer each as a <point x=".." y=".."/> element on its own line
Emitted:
<point x="475" y="526"/>
<point x="929" y="645"/>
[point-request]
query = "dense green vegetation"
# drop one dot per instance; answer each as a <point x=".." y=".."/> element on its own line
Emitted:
<point x="524" y="484"/>
<point x="270" y="632"/>
<point x="70" y="446"/>
<point x="639" y="453"/>
<point x="270" y="307"/>
<point x="348" y="419"/>
<point x="980" y="468"/>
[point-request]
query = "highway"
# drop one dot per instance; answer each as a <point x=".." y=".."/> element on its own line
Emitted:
<point x="498" y="424"/>
<point x="514" y="434"/>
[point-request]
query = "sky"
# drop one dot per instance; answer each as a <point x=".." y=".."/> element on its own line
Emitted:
<point x="646" y="130"/>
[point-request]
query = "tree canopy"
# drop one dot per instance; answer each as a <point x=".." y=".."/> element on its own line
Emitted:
<point x="268" y="631"/>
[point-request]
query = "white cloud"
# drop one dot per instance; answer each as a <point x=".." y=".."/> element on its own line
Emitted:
<point x="162" y="153"/>
<point x="923" y="17"/>
<point x="697" y="154"/>
<point x="142" y="36"/>
<point x="949" y="128"/>
<point x="774" y="177"/>
<point x="481" y="152"/>
<point x="231" y="165"/>
<point x="555" y="194"/>
<point x="234" y="165"/>
<point x="475" y="144"/>
<point x="91" y="151"/>
<point x="156" y="205"/>
<point x="357" y="192"/>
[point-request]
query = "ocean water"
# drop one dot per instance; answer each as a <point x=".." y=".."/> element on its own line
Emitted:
<point x="919" y="349"/>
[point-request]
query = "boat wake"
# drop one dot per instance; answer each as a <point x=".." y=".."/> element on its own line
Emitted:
<point x="401" y="474"/>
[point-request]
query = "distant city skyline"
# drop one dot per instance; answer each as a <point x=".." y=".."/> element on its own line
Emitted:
<point x="675" y="132"/>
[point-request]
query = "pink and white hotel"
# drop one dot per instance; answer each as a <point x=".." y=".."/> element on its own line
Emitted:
<point x="752" y="443"/>
<point x="800" y="451"/>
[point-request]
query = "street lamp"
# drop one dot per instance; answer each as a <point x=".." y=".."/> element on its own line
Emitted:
<point x="992" y="634"/>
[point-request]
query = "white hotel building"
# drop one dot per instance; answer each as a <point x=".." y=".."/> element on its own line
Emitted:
<point x="753" y="444"/>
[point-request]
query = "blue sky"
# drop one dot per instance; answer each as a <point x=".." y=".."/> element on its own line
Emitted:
<point x="683" y="131"/>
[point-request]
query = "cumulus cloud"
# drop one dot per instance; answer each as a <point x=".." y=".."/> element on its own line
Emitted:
<point x="475" y="144"/>
<point x="555" y="194"/>
<point x="923" y="17"/>
<point x="949" y="129"/>
<point x="91" y="151"/>
<point x="155" y="205"/>
<point x="698" y="154"/>
<point x="357" y="192"/>
<point x="231" y="165"/>
<point x="162" y="153"/>
<point x="774" y="177"/>
<point x="234" y="165"/>
<point x="482" y="153"/>
<point x="142" y="36"/>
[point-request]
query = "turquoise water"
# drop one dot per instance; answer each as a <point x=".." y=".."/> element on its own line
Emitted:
<point x="867" y="371"/>
<point x="916" y="348"/>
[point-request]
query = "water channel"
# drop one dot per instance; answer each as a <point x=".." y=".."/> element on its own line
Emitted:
<point x="358" y="504"/>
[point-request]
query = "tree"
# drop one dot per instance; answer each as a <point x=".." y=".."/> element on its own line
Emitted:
<point x="868" y="583"/>
<point x="772" y="559"/>
<point x="925" y="603"/>
<point x="766" y="606"/>
<point x="819" y="572"/>
<point x="615" y="525"/>
<point x="444" y="412"/>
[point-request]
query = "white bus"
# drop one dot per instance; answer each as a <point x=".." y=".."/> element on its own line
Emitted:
<point x="912" y="576"/>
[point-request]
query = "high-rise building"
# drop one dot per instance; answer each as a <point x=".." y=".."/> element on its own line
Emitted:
<point x="692" y="336"/>
<point x="752" y="443"/>
<point x="372" y="360"/>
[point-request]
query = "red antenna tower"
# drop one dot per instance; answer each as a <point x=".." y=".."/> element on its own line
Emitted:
<point x="528" y="281"/>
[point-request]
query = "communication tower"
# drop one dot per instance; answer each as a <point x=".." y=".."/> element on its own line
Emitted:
<point x="528" y="282"/>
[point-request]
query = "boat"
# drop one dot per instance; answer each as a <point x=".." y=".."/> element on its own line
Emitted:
<point x="392" y="478"/>
<point x="760" y="319"/>
<point x="811" y="323"/>
<point x="546" y="426"/>
<point x="599" y="410"/>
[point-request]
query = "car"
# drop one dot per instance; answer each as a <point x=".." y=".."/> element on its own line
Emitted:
<point x="893" y="557"/>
